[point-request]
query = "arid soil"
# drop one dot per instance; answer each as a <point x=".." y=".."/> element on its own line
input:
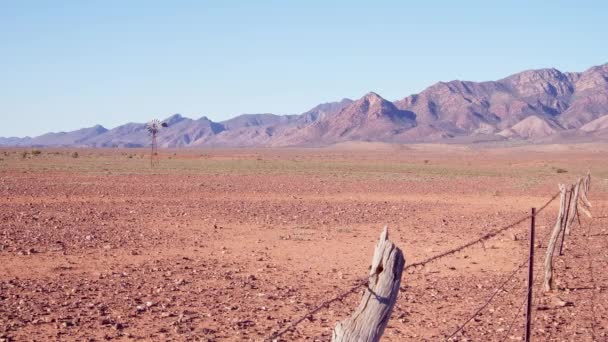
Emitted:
<point x="234" y="245"/>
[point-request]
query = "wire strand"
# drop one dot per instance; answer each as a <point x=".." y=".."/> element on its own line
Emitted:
<point x="480" y="239"/>
<point x="517" y="313"/>
<point x="489" y="300"/>
<point x="341" y="296"/>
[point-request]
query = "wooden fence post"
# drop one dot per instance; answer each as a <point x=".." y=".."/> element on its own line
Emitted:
<point x="369" y="320"/>
<point x="548" y="281"/>
<point x="583" y="204"/>
<point x="583" y="196"/>
<point x="569" y="191"/>
<point x="573" y="205"/>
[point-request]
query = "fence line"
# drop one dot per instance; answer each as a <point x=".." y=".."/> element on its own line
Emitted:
<point x="519" y="267"/>
<point x="365" y="280"/>
<point x="561" y="224"/>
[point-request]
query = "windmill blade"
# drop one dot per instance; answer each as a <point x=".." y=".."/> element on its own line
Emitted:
<point x="153" y="126"/>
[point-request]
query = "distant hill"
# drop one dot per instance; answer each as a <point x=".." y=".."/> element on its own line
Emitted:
<point x="544" y="105"/>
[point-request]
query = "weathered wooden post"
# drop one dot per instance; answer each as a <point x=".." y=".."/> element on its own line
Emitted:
<point x="582" y="206"/>
<point x="548" y="281"/>
<point x="569" y="192"/>
<point x="573" y="206"/>
<point x="369" y="320"/>
<point x="583" y="196"/>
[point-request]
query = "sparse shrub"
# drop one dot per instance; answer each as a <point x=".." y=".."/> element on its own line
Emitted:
<point x="75" y="155"/>
<point x="24" y="154"/>
<point x="559" y="170"/>
<point x="426" y="161"/>
<point x="36" y="152"/>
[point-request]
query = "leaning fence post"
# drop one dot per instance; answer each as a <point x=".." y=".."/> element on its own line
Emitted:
<point x="565" y="219"/>
<point x="548" y="281"/>
<point x="573" y="205"/>
<point x="583" y="197"/>
<point x="369" y="320"/>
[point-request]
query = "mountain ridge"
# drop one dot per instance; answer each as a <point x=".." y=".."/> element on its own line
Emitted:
<point x="533" y="105"/>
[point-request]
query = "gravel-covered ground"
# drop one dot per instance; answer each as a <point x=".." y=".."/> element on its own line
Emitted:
<point x="231" y="245"/>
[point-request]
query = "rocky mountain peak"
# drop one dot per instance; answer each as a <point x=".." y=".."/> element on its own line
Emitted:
<point x="173" y="119"/>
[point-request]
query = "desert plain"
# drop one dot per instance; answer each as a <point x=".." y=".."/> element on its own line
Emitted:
<point x="235" y="244"/>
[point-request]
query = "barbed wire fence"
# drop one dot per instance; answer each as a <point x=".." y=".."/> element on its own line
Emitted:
<point x="503" y="285"/>
<point x="363" y="282"/>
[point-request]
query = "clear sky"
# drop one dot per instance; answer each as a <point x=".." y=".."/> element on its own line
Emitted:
<point x="72" y="64"/>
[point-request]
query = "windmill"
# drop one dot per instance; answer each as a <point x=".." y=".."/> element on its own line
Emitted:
<point x="153" y="128"/>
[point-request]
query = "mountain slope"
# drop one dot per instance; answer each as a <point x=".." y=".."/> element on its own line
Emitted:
<point x="15" y="141"/>
<point x="369" y="118"/>
<point x="590" y="100"/>
<point x="532" y="127"/>
<point x="128" y="135"/>
<point x="74" y="138"/>
<point x="598" y="124"/>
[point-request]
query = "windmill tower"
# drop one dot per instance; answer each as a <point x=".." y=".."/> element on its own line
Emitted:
<point x="153" y="128"/>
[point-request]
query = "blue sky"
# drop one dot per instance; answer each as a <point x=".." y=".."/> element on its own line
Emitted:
<point x="73" y="64"/>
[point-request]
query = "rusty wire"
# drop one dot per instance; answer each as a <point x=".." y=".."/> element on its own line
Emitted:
<point x="478" y="240"/>
<point x="360" y="282"/>
<point x="517" y="313"/>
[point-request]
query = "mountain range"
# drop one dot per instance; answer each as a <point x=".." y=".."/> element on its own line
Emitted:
<point x="544" y="105"/>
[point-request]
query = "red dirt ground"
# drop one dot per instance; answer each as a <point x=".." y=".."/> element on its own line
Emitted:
<point x="231" y="245"/>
